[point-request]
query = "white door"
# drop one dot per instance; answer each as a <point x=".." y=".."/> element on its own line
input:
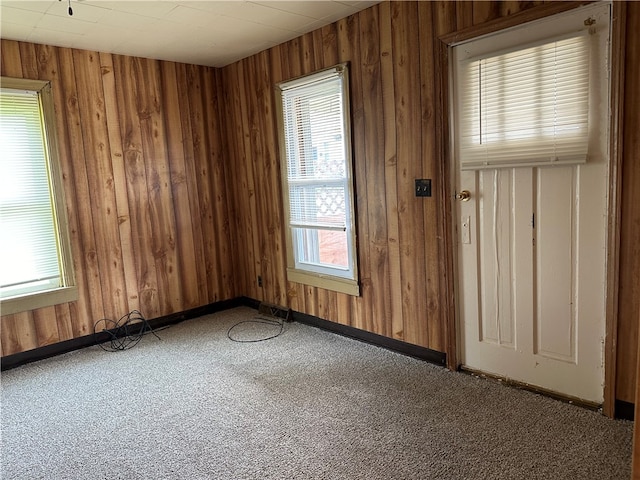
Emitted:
<point x="531" y="254"/>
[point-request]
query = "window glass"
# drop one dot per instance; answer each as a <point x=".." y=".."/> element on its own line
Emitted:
<point x="35" y="260"/>
<point x="317" y="180"/>
<point x="28" y="244"/>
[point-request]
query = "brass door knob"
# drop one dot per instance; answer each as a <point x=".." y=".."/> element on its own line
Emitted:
<point x="463" y="196"/>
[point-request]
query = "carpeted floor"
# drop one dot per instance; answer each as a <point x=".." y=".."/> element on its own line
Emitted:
<point x="306" y="405"/>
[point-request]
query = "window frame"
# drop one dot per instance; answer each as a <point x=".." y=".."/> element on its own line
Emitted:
<point x="68" y="291"/>
<point x="321" y="276"/>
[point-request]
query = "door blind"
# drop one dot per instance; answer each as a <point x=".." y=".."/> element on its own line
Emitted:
<point x="527" y="106"/>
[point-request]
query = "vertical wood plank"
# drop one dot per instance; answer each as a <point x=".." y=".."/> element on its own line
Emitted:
<point x="238" y="206"/>
<point x="185" y="87"/>
<point x="256" y="163"/>
<point x="198" y="110"/>
<point x="100" y="177"/>
<point x="127" y="69"/>
<point x="249" y="187"/>
<point x="29" y="61"/>
<point x="44" y="320"/>
<point x="74" y="174"/>
<point x="378" y="288"/>
<point x="396" y="326"/>
<point x="10" y="61"/>
<point x="64" y="322"/>
<point x="9" y="335"/>
<point x="431" y="206"/>
<point x="24" y="329"/>
<point x="175" y="138"/>
<point x="162" y="220"/>
<point x="485" y="11"/>
<point x="221" y="246"/>
<point x="119" y="183"/>
<point x="464" y="12"/>
<point x="408" y="119"/>
<point x="274" y="253"/>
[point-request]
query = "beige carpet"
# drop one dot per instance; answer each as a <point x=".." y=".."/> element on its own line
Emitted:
<point x="306" y="405"/>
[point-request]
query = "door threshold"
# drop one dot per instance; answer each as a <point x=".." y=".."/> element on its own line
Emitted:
<point x="597" y="407"/>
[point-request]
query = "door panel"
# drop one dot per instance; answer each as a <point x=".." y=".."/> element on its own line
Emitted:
<point x="525" y="300"/>
<point x="554" y="249"/>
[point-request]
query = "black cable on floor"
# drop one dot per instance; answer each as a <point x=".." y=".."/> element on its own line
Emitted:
<point x="258" y="320"/>
<point x="125" y="333"/>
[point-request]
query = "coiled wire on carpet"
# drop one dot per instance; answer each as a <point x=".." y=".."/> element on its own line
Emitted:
<point x="125" y="333"/>
<point x="271" y="318"/>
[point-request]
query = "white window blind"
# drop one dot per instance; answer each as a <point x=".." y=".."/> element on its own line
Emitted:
<point x="314" y="137"/>
<point x="526" y="106"/>
<point x="317" y="180"/>
<point x="29" y="258"/>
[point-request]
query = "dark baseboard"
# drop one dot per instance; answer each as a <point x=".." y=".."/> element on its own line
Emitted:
<point x="625" y="410"/>
<point x="11" y="361"/>
<point x="422" y="353"/>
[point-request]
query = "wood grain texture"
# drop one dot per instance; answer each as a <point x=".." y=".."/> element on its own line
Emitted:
<point x="396" y="90"/>
<point x="629" y="279"/>
<point x="138" y="188"/>
<point x="172" y="177"/>
<point x="616" y="142"/>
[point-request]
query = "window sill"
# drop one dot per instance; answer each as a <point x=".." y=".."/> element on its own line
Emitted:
<point x="336" y="284"/>
<point x="34" y="301"/>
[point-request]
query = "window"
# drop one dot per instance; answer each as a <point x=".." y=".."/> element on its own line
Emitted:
<point x="524" y="106"/>
<point x="317" y="180"/>
<point x="35" y="261"/>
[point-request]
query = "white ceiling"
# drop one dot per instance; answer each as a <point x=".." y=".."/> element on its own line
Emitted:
<point x="200" y="32"/>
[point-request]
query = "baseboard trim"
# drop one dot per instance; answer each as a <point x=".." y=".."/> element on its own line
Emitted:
<point x="625" y="410"/>
<point x="422" y="353"/>
<point x="17" y="359"/>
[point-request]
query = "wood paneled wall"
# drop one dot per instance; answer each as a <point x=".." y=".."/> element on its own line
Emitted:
<point x="144" y="178"/>
<point x="391" y="51"/>
<point x="173" y="179"/>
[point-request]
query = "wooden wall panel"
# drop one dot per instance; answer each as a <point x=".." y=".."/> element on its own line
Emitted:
<point x="391" y="49"/>
<point x="391" y="52"/>
<point x="629" y="280"/>
<point x="144" y="175"/>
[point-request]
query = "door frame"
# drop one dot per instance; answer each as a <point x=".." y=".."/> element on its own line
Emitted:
<point x="445" y="170"/>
